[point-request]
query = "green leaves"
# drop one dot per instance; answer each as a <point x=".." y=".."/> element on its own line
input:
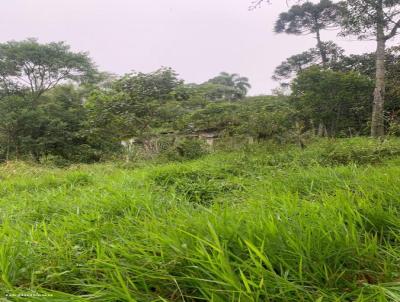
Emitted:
<point x="308" y="18"/>
<point x="341" y="101"/>
<point x="296" y="63"/>
<point x="135" y="104"/>
<point x="228" y="87"/>
<point x="35" y="67"/>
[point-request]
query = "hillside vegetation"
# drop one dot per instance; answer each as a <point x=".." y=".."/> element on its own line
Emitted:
<point x="265" y="223"/>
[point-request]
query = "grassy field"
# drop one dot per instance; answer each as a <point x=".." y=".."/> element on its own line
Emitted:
<point x="260" y="224"/>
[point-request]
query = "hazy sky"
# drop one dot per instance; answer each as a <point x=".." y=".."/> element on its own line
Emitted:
<point x="197" y="38"/>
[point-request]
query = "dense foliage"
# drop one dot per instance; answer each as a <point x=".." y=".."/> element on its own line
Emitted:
<point x="364" y="19"/>
<point x="339" y="101"/>
<point x="57" y="107"/>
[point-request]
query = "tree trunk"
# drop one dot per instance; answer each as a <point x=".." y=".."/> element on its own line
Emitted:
<point x="8" y="148"/>
<point x="322" y="130"/>
<point x="321" y="49"/>
<point x="377" y="121"/>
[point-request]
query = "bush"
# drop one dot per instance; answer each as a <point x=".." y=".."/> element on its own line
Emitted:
<point x="186" y="149"/>
<point x="394" y="128"/>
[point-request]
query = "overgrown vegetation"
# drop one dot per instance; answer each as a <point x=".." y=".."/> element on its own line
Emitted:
<point x="198" y="192"/>
<point x="266" y="223"/>
<point x="59" y="109"/>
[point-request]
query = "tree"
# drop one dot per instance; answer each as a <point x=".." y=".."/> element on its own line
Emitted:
<point x="39" y="116"/>
<point x="260" y="117"/>
<point x="266" y="117"/>
<point x="62" y="129"/>
<point x="14" y="111"/>
<point x="378" y="19"/>
<point x="215" y="116"/>
<point x="213" y="92"/>
<point x="310" y="18"/>
<point x="238" y="85"/>
<point x="365" y="65"/>
<point x="135" y="105"/>
<point x="296" y="63"/>
<point x="339" y="101"/>
<point x="55" y="126"/>
<point x="36" y="68"/>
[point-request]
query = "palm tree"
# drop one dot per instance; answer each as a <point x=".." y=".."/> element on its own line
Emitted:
<point x="240" y="84"/>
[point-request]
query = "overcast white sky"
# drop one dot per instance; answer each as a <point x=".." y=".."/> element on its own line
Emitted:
<point x="197" y="38"/>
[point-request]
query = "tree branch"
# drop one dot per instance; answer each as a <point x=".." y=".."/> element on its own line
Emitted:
<point x="393" y="31"/>
<point x="257" y="3"/>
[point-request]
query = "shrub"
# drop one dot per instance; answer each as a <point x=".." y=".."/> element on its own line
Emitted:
<point x="186" y="149"/>
<point x="394" y="128"/>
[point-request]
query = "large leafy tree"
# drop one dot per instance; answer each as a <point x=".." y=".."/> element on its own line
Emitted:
<point x="135" y="105"/>
<point x="295" y="64"/>
<point x="380" y="20"/>
<point x="55" y="126"/>
<point x="262" y="117"/>
<point x="36" y="68"/>
<point x="339" y="101"/>
<point x="365" y="64"/>
<point x="310" y="18"/>
<point x="40" y="116"/>
<point x="15" y="115"/>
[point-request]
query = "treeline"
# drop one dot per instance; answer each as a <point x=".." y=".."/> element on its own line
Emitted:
<point x="56" y="106"/>
<point x="364" y="19"/>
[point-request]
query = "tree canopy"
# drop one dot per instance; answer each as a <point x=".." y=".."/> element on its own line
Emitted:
<point x="34" y="67"/>
<point x="310" y="18"/>
<point x="380" y="20"/>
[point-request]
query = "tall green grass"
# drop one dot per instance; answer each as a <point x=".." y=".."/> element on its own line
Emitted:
<point x="266" y="223"/>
